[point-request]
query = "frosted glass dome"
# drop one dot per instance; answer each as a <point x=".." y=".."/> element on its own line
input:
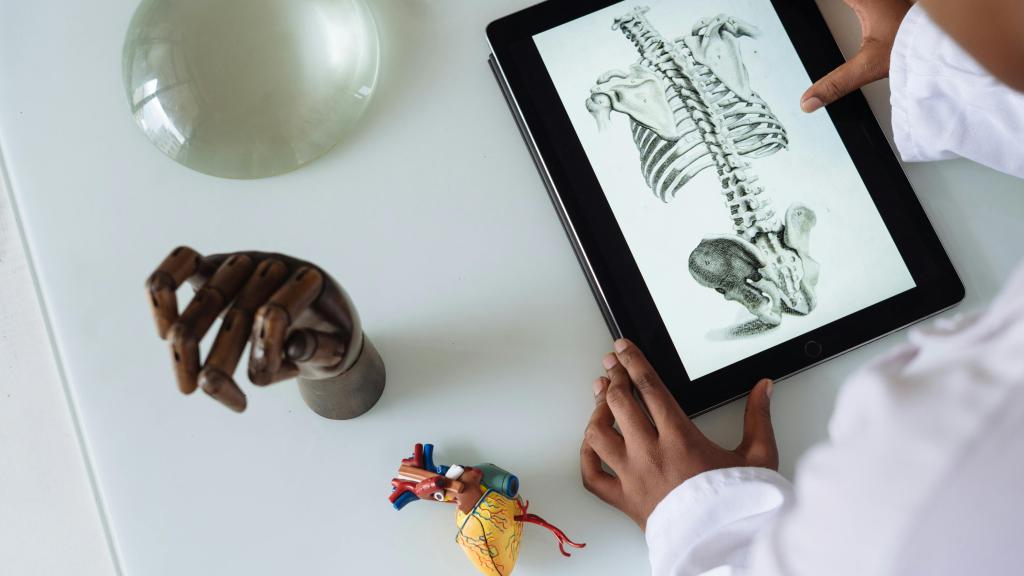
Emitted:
<point x="249" y="88"/>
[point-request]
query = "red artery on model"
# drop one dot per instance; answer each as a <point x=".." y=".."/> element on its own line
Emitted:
<point x="424" y="489"/>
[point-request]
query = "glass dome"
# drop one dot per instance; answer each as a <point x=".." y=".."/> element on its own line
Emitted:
<point x="249" y="88"/>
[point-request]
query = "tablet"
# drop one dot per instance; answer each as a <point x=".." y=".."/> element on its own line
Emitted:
<point x="729" y="234"/>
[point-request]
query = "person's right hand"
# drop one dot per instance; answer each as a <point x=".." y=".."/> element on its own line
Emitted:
<point x="879" y="22"/>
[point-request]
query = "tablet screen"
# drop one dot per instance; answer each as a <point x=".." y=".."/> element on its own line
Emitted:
<point x="747" y="217"/>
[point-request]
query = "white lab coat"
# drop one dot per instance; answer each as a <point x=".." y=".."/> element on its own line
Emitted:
<point x="923" y="472"/>
<point x="945" y="105"/>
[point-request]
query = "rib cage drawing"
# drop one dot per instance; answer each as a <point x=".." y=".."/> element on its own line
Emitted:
<point x="691" y="108"/>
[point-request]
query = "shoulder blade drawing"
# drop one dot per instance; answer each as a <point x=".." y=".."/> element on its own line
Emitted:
<point x="691" y="107"/>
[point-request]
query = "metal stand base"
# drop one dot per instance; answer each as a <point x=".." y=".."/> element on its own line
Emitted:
<point x="350" y="394"/>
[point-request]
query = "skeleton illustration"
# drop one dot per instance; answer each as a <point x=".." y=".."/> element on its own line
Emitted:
<point x="691" y="107"/>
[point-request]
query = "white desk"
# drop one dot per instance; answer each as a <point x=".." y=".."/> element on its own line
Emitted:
<point x="436" y="222"/>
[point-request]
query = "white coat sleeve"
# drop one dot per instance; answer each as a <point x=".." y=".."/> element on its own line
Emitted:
<point x="706" y="525"/>
<point x="913" y="436"/>
<point x="945" y="105"/>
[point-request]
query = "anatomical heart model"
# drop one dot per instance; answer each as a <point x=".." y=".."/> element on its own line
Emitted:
<point x="691" y="107"/>
<point x="490" y="514"/>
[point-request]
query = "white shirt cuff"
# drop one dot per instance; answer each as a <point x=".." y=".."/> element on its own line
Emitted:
<point x="710" y="520"/>
<point x="899" y="83"/>
<point x="945" y="105"/>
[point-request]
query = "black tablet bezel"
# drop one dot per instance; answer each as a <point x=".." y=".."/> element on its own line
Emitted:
<point x="606" y="258"/>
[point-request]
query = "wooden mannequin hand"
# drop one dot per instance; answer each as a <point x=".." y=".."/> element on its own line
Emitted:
<point x="651" y="455"/>
<point x="300" y="321"/>
<point x="879" y="22"/>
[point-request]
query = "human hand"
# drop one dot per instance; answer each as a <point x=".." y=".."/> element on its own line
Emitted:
<point x="655" y="451"/>
<point x="879" y="22"/>
<point x="300" y="321"/>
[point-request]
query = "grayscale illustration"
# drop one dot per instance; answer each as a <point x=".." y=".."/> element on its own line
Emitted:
<point x="691" y="107"/>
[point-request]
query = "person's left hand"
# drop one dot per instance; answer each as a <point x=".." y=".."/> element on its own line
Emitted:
<point x="655" y="451"/>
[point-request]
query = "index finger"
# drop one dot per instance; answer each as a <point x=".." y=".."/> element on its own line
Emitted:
<point x="163" y="283"/>
<point x="865" y="67"/>
<point x="662" y="407"/>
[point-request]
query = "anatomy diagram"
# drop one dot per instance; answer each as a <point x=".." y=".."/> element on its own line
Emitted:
<point x="691" y="107"/>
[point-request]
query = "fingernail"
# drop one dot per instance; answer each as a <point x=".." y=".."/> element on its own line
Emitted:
<point x="768" y="388"/>
<point x="621" y="344"/>
<point x="811" y="104"/>
<point x="609" y="361"/>
<point x="599" y="385"/>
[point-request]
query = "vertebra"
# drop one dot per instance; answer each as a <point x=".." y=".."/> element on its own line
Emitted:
<point x="691" y="108"/>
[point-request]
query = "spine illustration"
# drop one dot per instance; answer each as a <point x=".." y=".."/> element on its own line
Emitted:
<point x="691" y="108"/>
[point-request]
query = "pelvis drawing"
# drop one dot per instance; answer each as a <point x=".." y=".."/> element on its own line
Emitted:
<point x="691" y="108"/>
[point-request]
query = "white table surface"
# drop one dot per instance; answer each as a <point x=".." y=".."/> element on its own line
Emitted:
<point x="436" y="222"/>
<point x="49" y="522"/>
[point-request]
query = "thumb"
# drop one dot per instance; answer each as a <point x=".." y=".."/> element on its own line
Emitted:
<point x="758" y="445"/>
<point x="870" y="64"/>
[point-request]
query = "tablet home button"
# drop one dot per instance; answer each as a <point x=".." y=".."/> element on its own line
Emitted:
<point x="812" y="349"/>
